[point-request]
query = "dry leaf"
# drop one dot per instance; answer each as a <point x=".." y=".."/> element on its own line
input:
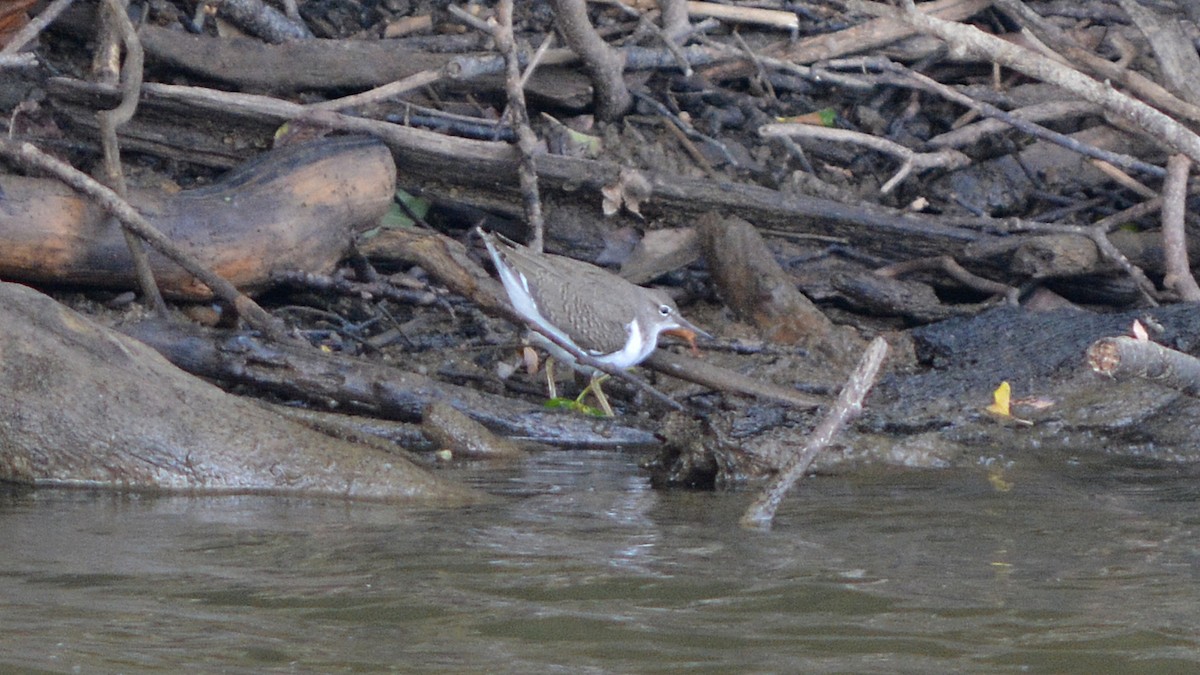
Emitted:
<point x="629" y="191"/>
<point x="1139" y="331"/>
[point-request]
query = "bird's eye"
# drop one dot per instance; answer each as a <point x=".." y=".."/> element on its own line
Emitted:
<point x="665" y="310"/>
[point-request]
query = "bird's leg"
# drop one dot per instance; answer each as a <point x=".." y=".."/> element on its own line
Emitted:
<point x="551" y="385"/>
<point x="594" y="388"/>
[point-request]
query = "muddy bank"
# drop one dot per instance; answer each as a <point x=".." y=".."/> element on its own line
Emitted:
<point x="794" y="201"/>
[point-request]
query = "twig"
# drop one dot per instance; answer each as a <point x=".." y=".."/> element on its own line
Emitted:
<point x="974" y="42"/>
<point x="536" y="59"/>
<point x="36" y="26"/>
<point x="762" y="17"/>
<point x="453" y="125"/>
<point x="669" y="42"/>
<point x="28" y="155"/>
<point x="382" y="93"/>
<point x="1123" y="179"/>
<point x="822" y="75"/>
<point x="466" y="67"/>
<point x="378" y="288"/>
<point x="1118" y="73"/>
<point x="688" y="129"/>
<point x="674" y="19"/>
<point x="947" y="159"/>
<point x="1174" y="192"/>
<point x="799" y="155"/>
<point x="109" y="121"/>
<point x="975" y="132"/>
<point x="470" y="19"/>
<point x="502" y="32"/>
<point x="909" y="78"/>
<point x="715" y="377"/>
<point x="873" y="35"/>
<point x="956" y="271"/>
<point x="848" y="406"/>
<point x="690" y="148"/>
<point x="1098" y="233"/>
<point x="759" y="66"/>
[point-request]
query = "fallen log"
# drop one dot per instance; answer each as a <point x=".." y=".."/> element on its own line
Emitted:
<point x="297" y="208"/>
<point x="483" y="174"/>
<point x="1126" y="358"/>
<point x="83" y="406"/>
<point x="353" y="385"/>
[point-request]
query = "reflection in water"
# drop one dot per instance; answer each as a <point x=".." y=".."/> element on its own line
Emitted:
<point x="580" y="566"/>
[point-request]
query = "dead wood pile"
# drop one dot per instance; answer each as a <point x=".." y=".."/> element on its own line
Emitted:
<point x="899" y="166"/>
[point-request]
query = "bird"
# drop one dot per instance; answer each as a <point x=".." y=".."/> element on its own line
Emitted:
<point x="613" y="321"/>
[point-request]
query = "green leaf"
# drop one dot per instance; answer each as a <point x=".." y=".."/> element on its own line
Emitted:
<point x="571" y="404"/>
<point x="397" y="218"/>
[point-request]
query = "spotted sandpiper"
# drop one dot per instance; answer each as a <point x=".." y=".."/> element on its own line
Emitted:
<point x="602" y="315"/>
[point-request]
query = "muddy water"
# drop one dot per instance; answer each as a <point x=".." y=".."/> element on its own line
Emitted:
<point x="580" y="567"/>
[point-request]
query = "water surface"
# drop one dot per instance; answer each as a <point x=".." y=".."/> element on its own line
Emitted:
<point x="580" y="566"/>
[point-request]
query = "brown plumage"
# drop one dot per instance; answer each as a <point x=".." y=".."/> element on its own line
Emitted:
<point x="602" y="314"/>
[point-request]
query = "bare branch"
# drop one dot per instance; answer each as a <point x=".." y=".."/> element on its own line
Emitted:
<point x="604" y="64"/>
<point x="1179" y="274"/>
<point x="848" y="406"/>
<point x="34" y="27"/>
<point x="967" y="40"/>
<point x="110" y="120"/>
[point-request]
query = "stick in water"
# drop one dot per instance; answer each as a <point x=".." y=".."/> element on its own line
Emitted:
<point x="848" y="406"/>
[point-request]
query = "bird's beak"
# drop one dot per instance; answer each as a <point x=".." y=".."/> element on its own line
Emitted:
<point x="688" y="332"/>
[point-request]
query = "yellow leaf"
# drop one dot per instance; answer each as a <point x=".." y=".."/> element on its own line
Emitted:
<point x="1001" y="399"/>
<point x="1001" y="405"/>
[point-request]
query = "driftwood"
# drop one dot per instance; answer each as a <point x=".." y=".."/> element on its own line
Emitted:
<point x="460" y="437"/>
<point x="848" y="406"/>
<point x="483" y="174"/>
<point x="295" y="208"/>
<point x="352" y="385"/>
<point x="447" y="260"/>
<point x="83" y="406"/>
<point x="752" y="283"/>
<point x="980" y="255"/>
<point x="1125" y="358"/>
<point x="935" y="415"/>
<point x="248" y="64"/>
